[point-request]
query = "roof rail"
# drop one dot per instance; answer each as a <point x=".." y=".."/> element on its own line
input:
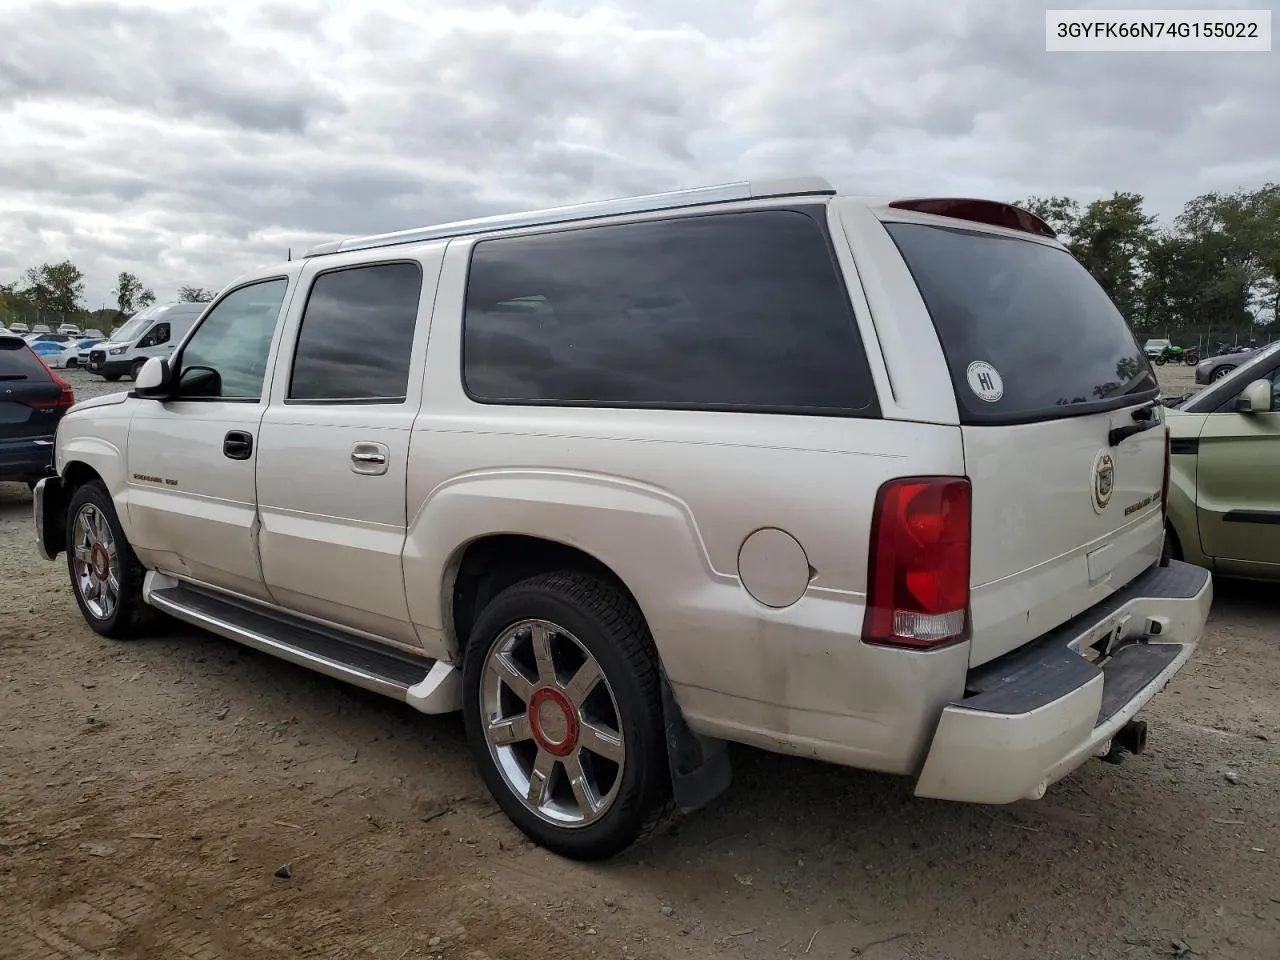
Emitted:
<point x="724" y="193"/>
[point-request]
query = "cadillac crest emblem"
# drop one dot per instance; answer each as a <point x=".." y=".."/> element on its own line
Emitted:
<point x="1104" y="480"/>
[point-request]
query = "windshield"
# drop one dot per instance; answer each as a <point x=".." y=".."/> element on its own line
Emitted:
<point x="1027" y="332"/>
<point x="134" y="326"/>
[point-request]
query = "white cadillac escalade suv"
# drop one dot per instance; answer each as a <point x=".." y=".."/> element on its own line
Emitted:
<point x="876" y="482"/>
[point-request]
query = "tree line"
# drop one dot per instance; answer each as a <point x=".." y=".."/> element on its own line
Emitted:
<point x="53" y="293"/>
<point x="1212" y="274"/>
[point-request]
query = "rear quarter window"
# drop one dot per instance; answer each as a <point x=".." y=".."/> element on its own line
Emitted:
<point x="1027" y="332"/>
<point x="734" y="312"/>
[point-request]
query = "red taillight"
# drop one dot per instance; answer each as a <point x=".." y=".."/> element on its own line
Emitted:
<point x="67" y="396"/>
<point x="918" y="574"/>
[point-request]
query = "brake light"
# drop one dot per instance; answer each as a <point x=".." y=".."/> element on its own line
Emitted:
<point x="918" y="570"/>
<point x="66" y="396"/>
<point x="979" y="211"/>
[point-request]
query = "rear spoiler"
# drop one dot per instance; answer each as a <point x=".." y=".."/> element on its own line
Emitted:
<point x="991" y="212"/>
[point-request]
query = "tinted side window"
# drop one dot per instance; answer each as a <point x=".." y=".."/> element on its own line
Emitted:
<point x="357" y="334"/>
<point x="740" y="311"/>
<point x="230" y="348"/>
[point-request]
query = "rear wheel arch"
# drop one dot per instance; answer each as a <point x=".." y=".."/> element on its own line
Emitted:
<point x="484" y="567"/>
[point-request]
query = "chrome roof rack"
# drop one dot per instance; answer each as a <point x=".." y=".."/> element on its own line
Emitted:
<point x="724" y="193"/>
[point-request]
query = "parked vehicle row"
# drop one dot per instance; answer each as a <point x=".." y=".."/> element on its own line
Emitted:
<point x="881" y="483"/>
<point x="69" y="329"/>
<point x="70" y="352"/>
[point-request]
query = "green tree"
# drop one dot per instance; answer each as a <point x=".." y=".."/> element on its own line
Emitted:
<point x="1061" y="213"/>
<point x="195" y="295"/>
<point x="146" y="298"/>
<point x="1226" y="237"/>
<point x="128" y="289"/>
<point x="54" y="288"/>
<point x="1113" y="239"/>
<point x="14" y="305"/>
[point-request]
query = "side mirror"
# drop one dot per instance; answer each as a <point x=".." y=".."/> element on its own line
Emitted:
<point x="1255" y="398"/>
<point x="153" y="380"/>
<point x="200" y="381"/>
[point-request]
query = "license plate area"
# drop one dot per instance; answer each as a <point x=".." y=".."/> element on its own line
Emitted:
<point x="1103" y="639"/>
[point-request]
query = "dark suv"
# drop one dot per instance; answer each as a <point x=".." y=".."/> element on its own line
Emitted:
<point x="32" y="400"/>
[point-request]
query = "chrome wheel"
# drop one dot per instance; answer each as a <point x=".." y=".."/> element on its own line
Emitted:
<point x="96" y="566"/>
<point x="552" y="723"/>
<point x="1221" y="372"/>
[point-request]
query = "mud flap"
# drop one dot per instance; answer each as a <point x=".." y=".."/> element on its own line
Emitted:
<point x="49" y="508"/>
<point x="700" y="769"/>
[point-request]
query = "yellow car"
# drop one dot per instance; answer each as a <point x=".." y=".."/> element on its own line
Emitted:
<point x="1224" y="489"/>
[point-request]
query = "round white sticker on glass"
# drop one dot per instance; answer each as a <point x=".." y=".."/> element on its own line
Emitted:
<point x="984" y="381"/>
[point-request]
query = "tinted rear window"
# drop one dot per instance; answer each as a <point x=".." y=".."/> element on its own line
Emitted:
<point x="17" y="362"/>
<point x="1027" y="332"/>
<point x="741" y="311"/>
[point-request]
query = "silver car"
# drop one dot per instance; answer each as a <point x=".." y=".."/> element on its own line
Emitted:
<point x="1215" y="368"/>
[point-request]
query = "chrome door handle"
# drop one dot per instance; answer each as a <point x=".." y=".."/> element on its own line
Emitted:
<point x="369" y="458"/>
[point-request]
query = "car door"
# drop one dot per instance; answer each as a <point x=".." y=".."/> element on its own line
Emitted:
<point x="1238" y="485"/>
<point x="191" y="494"/>
<point x="335" y="442"/>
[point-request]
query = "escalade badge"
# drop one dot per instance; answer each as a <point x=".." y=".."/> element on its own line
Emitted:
<point x="1104" y="480"/>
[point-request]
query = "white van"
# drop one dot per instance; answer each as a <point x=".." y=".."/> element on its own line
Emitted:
<point x="151" y="332"/>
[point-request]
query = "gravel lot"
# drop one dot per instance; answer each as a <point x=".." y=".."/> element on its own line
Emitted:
<point x="149" y="791"/>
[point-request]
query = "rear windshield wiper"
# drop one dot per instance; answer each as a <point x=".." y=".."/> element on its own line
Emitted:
<point x="1145" y="416"/>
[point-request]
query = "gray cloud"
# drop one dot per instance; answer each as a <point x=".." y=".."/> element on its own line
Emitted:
<point x="191" y="140"/>
<point x="178" y="64"/>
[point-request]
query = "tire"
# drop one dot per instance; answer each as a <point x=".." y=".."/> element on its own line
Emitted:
<point x="1219" y="373"/>
<point x="136" y="369"/>
<point x="91" y="511"/>
<point x="1160" y="361"/>
<point x="72" y="363"/>
<point x="111" y="377"/>
<point x="585" y="621"/>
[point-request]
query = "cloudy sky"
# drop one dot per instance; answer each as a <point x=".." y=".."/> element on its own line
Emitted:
<point x="190" y="141"/>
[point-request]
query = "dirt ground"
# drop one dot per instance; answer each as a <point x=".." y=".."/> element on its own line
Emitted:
<point x="149" y="792"/>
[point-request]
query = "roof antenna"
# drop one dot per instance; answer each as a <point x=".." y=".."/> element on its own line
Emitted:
<point x="290" y="254"/>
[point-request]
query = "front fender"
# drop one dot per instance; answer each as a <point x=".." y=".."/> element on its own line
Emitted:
<point x="99" y="454"/>
<point x="646" y="536"/>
